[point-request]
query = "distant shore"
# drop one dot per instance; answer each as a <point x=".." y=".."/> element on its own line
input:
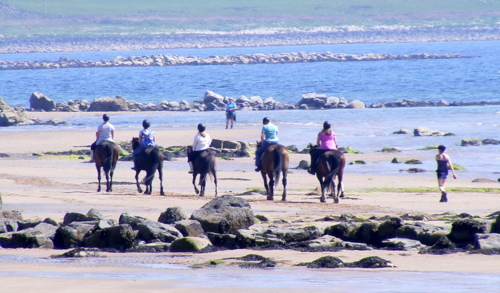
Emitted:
<point x="264" y="37"/>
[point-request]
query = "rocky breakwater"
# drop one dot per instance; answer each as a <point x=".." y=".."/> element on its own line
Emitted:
<point x="177" y="60"/>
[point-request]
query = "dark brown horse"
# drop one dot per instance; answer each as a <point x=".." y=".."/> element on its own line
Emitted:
<point x="149" y="159"/>
<point x="274" y="162"/>
<point x="105" y="157"/>
<point x="204" y="165"/>
<point x="329" y="165"/>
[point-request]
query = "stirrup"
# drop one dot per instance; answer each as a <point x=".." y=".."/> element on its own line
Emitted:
<point x="311" y="171"/>
<point x="258" y="169"/>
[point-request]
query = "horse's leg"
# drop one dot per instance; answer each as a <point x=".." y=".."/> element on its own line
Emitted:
<point x="98" y="179"/>
<point x="139" y="189"/>
<point x="334" y="193"/>
<point x="266" y="185"/>
<point x="160" y="173"/>
<point x="203" y="183"/>
<point x="111" y="172"/>
<point x="322" y="187"/>
<point x="271" y="186"/>
<point x="284" y="181"/>
<point x="194" y="183"/>
<point x="214" y="174"/>
<point x="340" y="186"/>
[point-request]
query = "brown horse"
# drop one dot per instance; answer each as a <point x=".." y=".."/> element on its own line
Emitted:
<point x="149" y="159"/>
<point x="329" y="165"/>
<point x="274" y="162"/>
<point x="105" y="157"/>
<point x="204" y="165"/>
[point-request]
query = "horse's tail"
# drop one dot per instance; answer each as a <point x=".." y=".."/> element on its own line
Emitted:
<point x="278" y="162"/>
<point x="154" y="160"/>
<point x="109" y="154"/>
<point x="334" y="162"/>
<point x="208" y="166"/>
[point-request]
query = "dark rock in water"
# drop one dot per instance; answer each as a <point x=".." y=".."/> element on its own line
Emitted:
<point x="424" y="131"/>
<point x="471" y="141"/>
<point x="119" y="237"/>
<point x="491" y="141"/>
<point x="329" y="262"/>
<point x="225" y="214"/>
<point x="370" y="263"/>
<point x="79" y="252"/>
<point x="256" y="261"/>
<point x="172" y="215"/>
<point x="413" y="161"/>
<point x="108" y="104"/>
<point x="416" y="170"/>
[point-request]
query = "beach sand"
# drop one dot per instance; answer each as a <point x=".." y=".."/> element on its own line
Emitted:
<point x="49" y="186"/>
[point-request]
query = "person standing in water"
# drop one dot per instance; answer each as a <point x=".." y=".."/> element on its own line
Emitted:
<point x="230" y="112"/>
<point x="443" y="163"/>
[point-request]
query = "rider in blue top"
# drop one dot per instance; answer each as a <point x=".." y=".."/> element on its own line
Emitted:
<point x="146" y="138"/>
<point x="268" y="136"/>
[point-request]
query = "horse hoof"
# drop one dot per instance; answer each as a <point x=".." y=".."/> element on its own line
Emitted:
<point x="162" y="193"/>
<point x="335" y="200"/>
<point x="270" y="198"/>
<point x="322" y="199"/>
<point x="342" y="195"/>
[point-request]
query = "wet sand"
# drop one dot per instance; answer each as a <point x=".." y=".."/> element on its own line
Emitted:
<point x="50" y="186"/>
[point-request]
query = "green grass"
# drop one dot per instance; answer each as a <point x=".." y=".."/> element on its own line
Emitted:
<point x="168" y="16"/>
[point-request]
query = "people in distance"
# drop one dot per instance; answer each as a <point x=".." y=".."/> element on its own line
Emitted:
<point x="230" y="113"/>
<point x="443" y="163"/>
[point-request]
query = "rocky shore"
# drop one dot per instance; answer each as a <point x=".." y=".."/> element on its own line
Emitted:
<point x="228" y="222"/>
<point x="10" y="116"/>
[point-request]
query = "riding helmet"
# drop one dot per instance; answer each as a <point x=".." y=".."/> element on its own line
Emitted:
<point x="201" y="127"/>
<point x="105" y="117"/>
<point x="326" y="125"/>
<point x="146" y="123"/>
<point x="265" y="120"/>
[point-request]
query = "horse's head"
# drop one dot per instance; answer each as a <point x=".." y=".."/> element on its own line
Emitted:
<point x="312" y="148"/>
<point x="135" y="142"/>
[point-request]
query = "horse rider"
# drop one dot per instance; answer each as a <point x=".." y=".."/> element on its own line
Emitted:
<point x="268" y="136"/>
<point x="147" y="138"/>
<point x="326" y="141"/>
<point x="105" y="131"/>
<point x="201" y="143"/>
<point x="230" y="112"/>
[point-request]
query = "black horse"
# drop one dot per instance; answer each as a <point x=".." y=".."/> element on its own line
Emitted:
<point x="329" y="165"/>
<point x="105" y="157"/>
<point x="149" y="159"/>
<point x="274" y="162"/>
<point x="204" y="164"/>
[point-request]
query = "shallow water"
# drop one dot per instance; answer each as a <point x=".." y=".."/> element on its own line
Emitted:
<point x="326" y="280"/>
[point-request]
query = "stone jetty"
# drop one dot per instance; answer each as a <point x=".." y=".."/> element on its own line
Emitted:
<point x="241" y="59"/>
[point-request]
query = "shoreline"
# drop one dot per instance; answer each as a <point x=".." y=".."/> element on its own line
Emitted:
<point x="260" y="38"/>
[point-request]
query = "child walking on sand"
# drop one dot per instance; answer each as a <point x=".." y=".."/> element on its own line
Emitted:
<point x="443" y="162"/>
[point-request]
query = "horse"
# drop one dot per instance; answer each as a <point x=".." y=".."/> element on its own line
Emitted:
<point x="149" y="159"/>
<point x="329" y="165"/>
<point x="203" y="165"/>
<point x="105" y="157"/>
<point x="274" y="162"/>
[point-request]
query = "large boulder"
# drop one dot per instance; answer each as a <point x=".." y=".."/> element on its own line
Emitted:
<point x="490" y="241"/>
<point x="29" y="238"/>
<point x="189" y="244"/>
<point x="109" y="104"/>
<point x="172" y="215"/>
<point x="225" y="214"/>
<point x="189" y="228"/>
<point x="314" y="101"/>
<point x="471" y="141"/>
<point x="356" y="104"/>
<point x="151" y="231"/>
<point x="464" y="232"/>
<point x="11" y="116"/>
<point x="119" y="237"/>
<point x="71" y="235"/>
<point x="40" y="102"/>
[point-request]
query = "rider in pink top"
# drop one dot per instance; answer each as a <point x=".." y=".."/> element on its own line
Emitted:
<point x="326" y="141"/>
